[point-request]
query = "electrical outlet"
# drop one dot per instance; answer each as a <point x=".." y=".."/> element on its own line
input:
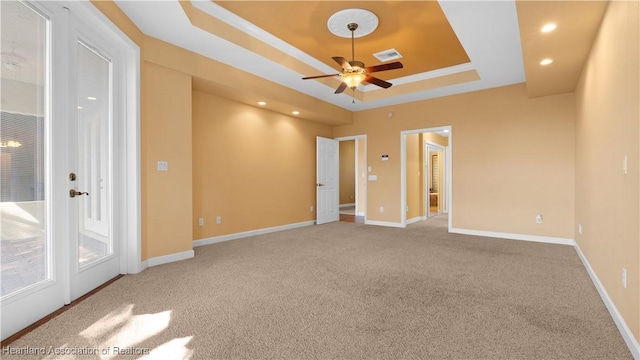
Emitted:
<point x="201" y="222"/>
<point x="580" y="229"/>
<point x="407" y="208"/>
<point x="381" y="209"/>
<point x="624" y="278"/>
<point x="310" y="208"/>
<point x="218" y="219"/>
<point x="625" y="168"/>
<point x="539" y="219"/>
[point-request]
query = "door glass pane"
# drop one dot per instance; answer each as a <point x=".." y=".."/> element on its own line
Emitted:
<point x="94" y="130"/>
<point x="24" y="245"/>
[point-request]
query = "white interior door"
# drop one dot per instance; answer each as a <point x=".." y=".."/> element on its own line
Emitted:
<point x="327" y="167"/>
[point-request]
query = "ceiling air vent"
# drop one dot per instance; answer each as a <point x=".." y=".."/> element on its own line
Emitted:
<point x="387" y="55"/>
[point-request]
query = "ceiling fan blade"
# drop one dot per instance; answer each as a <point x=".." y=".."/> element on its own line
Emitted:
<point x="319" y="76"/>
<point x="383" y="67"/>
<point x="376" y="81"/>
<point x="341" y="88"/>
<point x="342" y="61"/>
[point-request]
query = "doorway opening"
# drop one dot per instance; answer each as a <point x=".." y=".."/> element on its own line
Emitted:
<point x="435" y="176"/>
<point x="352" y="179"/>
<point x="425" y="174"/>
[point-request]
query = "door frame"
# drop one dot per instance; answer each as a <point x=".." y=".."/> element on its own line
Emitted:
<point x="364" y="139"/>
<point x="403" y="171"/>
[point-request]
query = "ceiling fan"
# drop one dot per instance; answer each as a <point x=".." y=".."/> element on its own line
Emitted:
<point x="354" y="72"/>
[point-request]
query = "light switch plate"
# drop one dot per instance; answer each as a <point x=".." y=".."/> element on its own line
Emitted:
<point x="163" y="166"/>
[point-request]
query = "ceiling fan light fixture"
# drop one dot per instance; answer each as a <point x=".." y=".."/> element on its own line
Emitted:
<point x="354" y="72"/>
<point x="353" y="79"/>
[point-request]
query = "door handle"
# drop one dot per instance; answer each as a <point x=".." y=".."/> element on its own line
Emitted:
<point x="74" y="193"/>
<point x="319" y="184"/>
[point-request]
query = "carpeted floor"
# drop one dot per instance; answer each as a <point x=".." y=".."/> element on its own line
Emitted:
<point x="349" y="291"/>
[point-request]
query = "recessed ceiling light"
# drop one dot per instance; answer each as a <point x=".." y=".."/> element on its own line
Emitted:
<point x="549" y="27"/>
<point x="546" y="62"/>
<point x="295" y="112"/>
<point x="262" y="103"/>
<point x="79" y="107"/>
<point x="91" y="98"/>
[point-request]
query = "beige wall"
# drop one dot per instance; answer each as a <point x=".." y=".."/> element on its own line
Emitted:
<point x="413" y="176"/>
<point x="169" y="216"/>
<point x="347" y="172"/>
<point x="607" y="129"/>
<point x="252" y="167"/>
<point x="436" y="139"/>
<point x="362" y="176"/>
<point x="166" y="136"/>
<point x="513" y="158"/>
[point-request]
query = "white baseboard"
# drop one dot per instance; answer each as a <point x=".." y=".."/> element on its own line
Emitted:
<point x="240" y="235"/>
<point x="511" y="236"/>
<point x="627" y="335"/>
<point x="143" y="266"/>
<point x="384" y="223"/>
<point x="165" y="259"/>
<point x="415" y="219"/>
<point x="361" y="213"/>
<point x="347" y="205"/>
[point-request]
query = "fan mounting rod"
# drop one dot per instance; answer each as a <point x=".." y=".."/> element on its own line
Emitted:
<point x="352" y="27"/>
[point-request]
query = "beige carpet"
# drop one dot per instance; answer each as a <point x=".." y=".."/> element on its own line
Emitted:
<point x="350" y="291"/>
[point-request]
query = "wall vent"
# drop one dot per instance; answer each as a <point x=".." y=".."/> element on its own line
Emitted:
<point x="387" y="55"/>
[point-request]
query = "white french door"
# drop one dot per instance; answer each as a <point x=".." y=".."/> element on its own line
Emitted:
<point x="327" y="181"/>
<point x="66" y="226"/>
<point x="93" y="83"/>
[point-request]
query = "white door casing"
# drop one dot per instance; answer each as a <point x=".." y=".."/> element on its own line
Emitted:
<point x="327" y="181"/>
